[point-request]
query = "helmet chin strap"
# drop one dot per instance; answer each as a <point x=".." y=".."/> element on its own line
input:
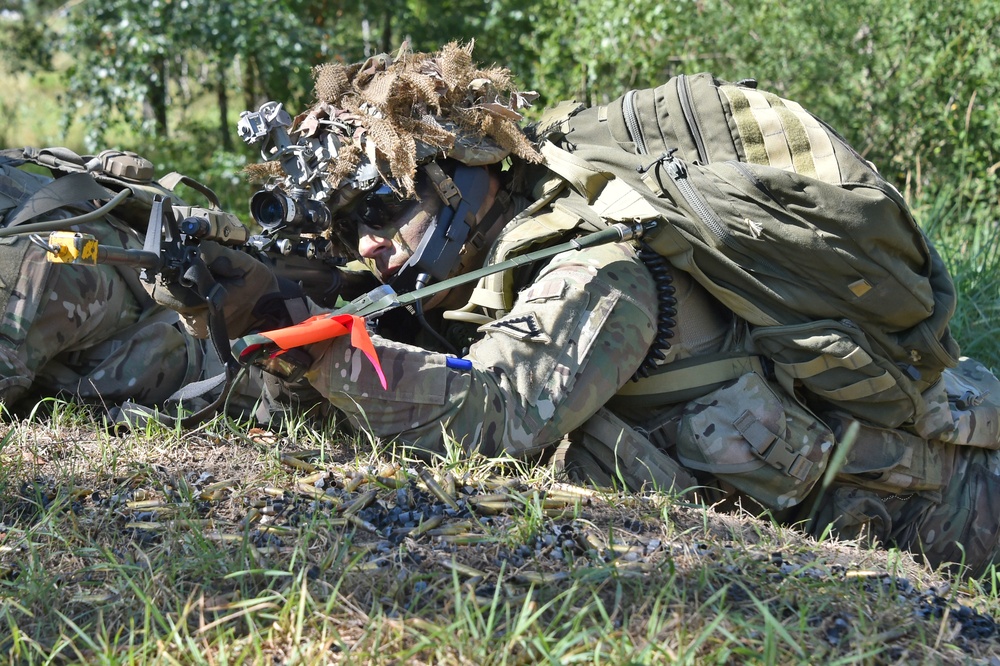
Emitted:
<point x="439" y="249"/>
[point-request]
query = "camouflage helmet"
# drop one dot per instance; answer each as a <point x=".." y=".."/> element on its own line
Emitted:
<point x="375" y="123"/>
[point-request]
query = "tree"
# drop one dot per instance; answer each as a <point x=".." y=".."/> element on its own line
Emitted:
<point x="23" y="40"/>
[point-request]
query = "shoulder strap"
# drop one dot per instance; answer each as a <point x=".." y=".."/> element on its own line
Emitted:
<point x="496" y="292"/>
<point x="72" y="188"/>
<point x="690" y="378"/>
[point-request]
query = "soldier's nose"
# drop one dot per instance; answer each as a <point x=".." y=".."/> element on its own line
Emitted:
<point x="371" y="245"/>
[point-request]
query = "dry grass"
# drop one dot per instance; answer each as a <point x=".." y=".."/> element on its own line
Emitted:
<point x="234" y="545"/>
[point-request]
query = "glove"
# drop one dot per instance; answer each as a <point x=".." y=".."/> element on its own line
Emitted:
<point x="245" y="279"/>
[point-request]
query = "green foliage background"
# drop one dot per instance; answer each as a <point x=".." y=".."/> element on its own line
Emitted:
<point x="911" y="83"/>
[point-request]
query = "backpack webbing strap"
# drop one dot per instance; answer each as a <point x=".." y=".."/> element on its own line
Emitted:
<point x="69" y="189"/>
<point x="855" y="360"/>
<point x="691" y="378"/>
<point x="774" y="450"/>
<point x="859" y="390"/>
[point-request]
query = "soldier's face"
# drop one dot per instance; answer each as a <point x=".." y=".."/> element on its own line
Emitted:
<point x="388" y="247"/>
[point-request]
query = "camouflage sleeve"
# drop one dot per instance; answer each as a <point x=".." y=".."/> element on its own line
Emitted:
<point x="75" y="330"/>
<point x="573" y="338"/>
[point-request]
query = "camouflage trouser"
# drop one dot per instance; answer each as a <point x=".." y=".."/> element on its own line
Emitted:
<point x="960" y="524"/>
<point x="936" y="494"/>
<point x="962" y="527"/>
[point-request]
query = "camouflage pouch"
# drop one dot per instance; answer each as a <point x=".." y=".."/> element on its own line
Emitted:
<point x="974" y="401"/>
<point x="892" y="460"/>
<point x="606" y="451"/>
<point x="756" y="438"/>
<point x="835" y="362"/>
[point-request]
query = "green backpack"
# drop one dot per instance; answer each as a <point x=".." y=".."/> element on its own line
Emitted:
<point x="784" y="223"/>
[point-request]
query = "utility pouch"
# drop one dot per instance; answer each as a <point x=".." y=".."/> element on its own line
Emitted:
<point x="834" y="361"/>
<point x="605" y="450"/>
<point x="756" y="438"/>
<point x="974" y="401"/>
<point x="892" y="460"/>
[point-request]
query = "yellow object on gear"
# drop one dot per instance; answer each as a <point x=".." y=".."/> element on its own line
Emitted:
<point x="69" y="247"/>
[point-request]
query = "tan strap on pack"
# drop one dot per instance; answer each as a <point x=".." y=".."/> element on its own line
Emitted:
<point x="691" y="378"/>
<point x="858" y="358"/>
<point x="859" y="390"/>
<point x="582" y="175"/>
<point x="780" y="133"/>
<point x="496" y="292"/>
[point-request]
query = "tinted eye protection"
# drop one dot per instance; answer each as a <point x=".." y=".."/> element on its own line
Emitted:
<point x="379" y="208"/>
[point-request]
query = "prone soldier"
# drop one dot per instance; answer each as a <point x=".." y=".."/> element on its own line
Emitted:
<point x="422" y="168"/>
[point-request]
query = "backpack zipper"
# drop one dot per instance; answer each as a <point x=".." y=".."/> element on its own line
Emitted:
<point x="632" y="123"/>
<point x="677" y="171"/>
<point x="687" y="108"/>
<point x="755" y="181"/>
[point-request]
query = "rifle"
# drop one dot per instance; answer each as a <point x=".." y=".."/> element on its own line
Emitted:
<point x="292" y="210"/>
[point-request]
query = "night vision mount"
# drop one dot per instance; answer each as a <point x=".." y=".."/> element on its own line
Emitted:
<point x="293" y="209"/>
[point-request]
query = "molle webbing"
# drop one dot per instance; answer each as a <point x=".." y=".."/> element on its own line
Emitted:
<point x="779" y="133"/>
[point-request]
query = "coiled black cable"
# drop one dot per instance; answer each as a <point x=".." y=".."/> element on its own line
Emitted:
<point x="666" y="309"/>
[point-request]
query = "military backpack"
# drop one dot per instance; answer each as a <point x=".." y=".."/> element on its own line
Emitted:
<point x="784" y="223"/>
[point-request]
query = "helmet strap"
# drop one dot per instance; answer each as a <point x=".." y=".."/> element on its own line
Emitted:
<point x="439" y="249"/>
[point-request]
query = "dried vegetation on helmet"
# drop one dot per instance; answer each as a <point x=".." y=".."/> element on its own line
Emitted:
<point x="397" y="110"/>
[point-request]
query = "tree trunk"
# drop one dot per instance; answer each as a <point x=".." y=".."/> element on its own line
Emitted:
<point x="221" y="92"/>
<point x="387" y="45"/>
<point x="158" y="95"/>
<point x="250" y="79"/>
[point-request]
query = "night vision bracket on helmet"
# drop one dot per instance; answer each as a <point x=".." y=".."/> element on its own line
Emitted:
<point x="293" y="207"/>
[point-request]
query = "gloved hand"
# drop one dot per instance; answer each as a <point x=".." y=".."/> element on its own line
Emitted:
<point x="245" y="280"/>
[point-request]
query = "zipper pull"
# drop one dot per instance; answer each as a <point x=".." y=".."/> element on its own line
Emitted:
<point x="665" y="157"/>
<point x="676" y="169"/>
<point x="648" y="172"/>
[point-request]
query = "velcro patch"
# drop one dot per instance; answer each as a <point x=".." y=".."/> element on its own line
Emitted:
<point x="520" y="327"/>
<point x="544" y="291"/>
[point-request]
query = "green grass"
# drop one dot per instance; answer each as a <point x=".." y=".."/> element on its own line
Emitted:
<point x="203" y="547"/>
<point x="87" y="577"/>
<point x="964" y="229"/>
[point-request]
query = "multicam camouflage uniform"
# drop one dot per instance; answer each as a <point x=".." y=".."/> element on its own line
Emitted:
<point x="575" y="334"/>
<point x="554" y="365"/>
<point x="83" y="331"/>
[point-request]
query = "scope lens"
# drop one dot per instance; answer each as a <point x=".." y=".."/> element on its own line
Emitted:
<point x="269" y="208"/>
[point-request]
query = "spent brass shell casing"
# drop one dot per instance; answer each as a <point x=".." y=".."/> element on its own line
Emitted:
<point x="361" y="502"/>
<point x="435" y="488"/>
<point x="301" y="455"/>
<point x="354" y="482"/>
<point x="148" y="505"/>
<point x="464" y="569"/>
<point x="426" y="525"/>
<point x="460" y="527"/>
<point x="466" y="539"/>
<point x="315" y="493"/>
<point x="279" y="530"/>
<point x="363" y="524"/>
<point x="296" y="463"/>
<point x="320" y="475"/>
